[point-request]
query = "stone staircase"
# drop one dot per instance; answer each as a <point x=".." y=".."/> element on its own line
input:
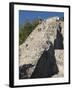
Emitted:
<point x="31" y="50"/>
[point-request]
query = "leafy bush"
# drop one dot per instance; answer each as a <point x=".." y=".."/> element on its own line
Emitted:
<point x="26" y="29"/>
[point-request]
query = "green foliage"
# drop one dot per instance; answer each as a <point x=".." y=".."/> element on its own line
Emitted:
<point x="26" y="29"/>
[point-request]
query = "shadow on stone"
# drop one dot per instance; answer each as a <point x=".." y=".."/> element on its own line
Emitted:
<point x="46" y="66"/>
<point x="23" y="71"/>
<point x="58" y="42"/>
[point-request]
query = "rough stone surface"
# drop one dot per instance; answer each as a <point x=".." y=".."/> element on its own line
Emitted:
<point x="31" y="50"/>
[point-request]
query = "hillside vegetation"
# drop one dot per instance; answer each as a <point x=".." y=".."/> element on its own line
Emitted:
<point x="26" y="29"/>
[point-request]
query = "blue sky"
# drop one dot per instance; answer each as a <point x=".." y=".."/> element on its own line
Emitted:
<point x="23" y="15"/>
